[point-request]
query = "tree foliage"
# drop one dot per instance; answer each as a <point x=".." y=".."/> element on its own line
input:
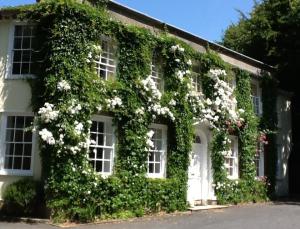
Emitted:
<point x="271" y="34"/>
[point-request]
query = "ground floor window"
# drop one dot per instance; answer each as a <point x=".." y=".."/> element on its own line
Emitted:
<point x="157" y="154"/>
<point x="259" y="160"/>
<point x="101" y="150"/>
<point x="231" y="159"/>
<point x="17" y="144"/>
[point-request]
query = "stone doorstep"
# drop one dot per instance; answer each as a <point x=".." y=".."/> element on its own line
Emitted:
<point x="207" y="207"/>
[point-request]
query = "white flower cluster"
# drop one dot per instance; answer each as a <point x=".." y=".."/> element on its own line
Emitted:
<point x="149" y="141"/>
<point x="47" y="113"/>
<point x="224" y="101"/>
<point x="114" y="102"/>
<point x="78" y="127"/>
<point x="174" y="48"/>
<point x="229" y="185"/>
<point x="75" y="107"/>
<point x="63" y="85"/>
<point x="47" y="136"/>
<point x="140" y="111"/>
<point x="150" y="86"/>
<point x="159" y="110"/>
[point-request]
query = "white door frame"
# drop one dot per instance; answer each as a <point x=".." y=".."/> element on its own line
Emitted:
<point x="205" y="170"/>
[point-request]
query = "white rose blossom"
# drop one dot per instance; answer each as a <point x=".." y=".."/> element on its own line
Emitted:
<point x="47" y="136"/>
<point x="47" y="113"/>
<point x="63" y="85"/>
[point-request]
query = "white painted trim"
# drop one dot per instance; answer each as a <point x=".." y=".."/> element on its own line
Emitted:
<point x="259" y="95"/>
<point x="9" y="57"/>
<point x="236" y="159"/>
<point x="15" y="172"/>
<point x="163" y="163"/>
<point x="107" y="120"/>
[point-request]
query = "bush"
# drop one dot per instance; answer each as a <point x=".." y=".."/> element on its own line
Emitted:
<point x="22" y="197"/>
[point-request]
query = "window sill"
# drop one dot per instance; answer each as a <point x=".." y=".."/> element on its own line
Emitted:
<point x="16" y="173"/>
<point x="155" y="176"/>
<point x="20" y="77"/>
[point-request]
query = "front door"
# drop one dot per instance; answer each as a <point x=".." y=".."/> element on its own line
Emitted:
<point x="197" y="173"/>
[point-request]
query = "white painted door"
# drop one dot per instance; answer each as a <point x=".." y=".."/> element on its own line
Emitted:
<point x="198" y="174"/>
<point x="195" y="172"/>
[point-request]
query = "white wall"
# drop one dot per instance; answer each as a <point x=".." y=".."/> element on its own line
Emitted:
<point x="15" y="96"/>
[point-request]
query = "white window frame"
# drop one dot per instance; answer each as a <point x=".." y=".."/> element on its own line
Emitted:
<point x="156" y="74"/>
<point x="163" y="152"/>
<point x="9" y="58"/>
<point x="15" y="172"/>
<point x="260" y="159"/>
<point x="235" y="158"/>
<point x="107" y="121"/>
<point x="256" y="99"/>
<point x="111" y="46"/>
<point x="196" y="90"/>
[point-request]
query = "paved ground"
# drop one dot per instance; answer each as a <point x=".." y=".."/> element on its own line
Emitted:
<point x="266" y="216"/>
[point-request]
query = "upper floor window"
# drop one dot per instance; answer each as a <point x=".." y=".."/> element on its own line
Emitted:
<point x="17" y="144"/>
<point x="157" y="154"/>
<point x="196" y="78"/>
<point x="106" y="62"/>
<point x="156" y="74"/>
<point x="22" y="58"/>
<point x="101" y="149"/>
<point x="231" y="160"/>
<point x="259" y="160"/>
<point x="256" y="99"/>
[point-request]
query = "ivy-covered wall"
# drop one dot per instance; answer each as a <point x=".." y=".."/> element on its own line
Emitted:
<point x="67" y="92"/>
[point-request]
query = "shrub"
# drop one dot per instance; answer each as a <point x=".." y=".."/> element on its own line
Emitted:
<point x="21" y="197"/>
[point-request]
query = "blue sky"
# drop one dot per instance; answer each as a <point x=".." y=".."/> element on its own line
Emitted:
<point x="205" y="18"/>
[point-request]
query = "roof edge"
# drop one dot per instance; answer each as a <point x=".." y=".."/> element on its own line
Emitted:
<point x="144" y="18"/>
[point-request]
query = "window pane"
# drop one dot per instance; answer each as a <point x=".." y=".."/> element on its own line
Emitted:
<point x="151" y="156"/>
<point x="98" y="166"/>
<point x="10" y="149"/>
<point x="27" y="149"/>
<point x="18" y="30"/>
<point x="92" y="153"/>
<point x="16" y="70"/>
<point x="27" y="136"/>
<point x="27" y="30"/>
<point x="17" y="43"/>
<point x="18" y="149"/>
<point x="19" y="136"/>
<point x="19" y="122"/>
<point x="99" y="153"/>
<point x="106" y="167"/>
<point x="157" y="156"/>
<point x="10" y="135"/>
<point x="100" y="127"/>
<point x="10" y="122"/>
<point x="8" y="162"/>
<point x="17" y="56"/>
<point x="100" y="140"/>
<point x="26" y="56"/>
<point x="109" y="140"/>
<point x="17" y="163"/>
<point x="26" y="163"/>
<point x="151" y="168"/>
<point x="94" y="127"/>
<point x="157" y="168"/>
<point x="28" y="121"/>
<point x="25" y="68"/>
<point x="107" y="154"/>
<point x="26" y="43"/>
